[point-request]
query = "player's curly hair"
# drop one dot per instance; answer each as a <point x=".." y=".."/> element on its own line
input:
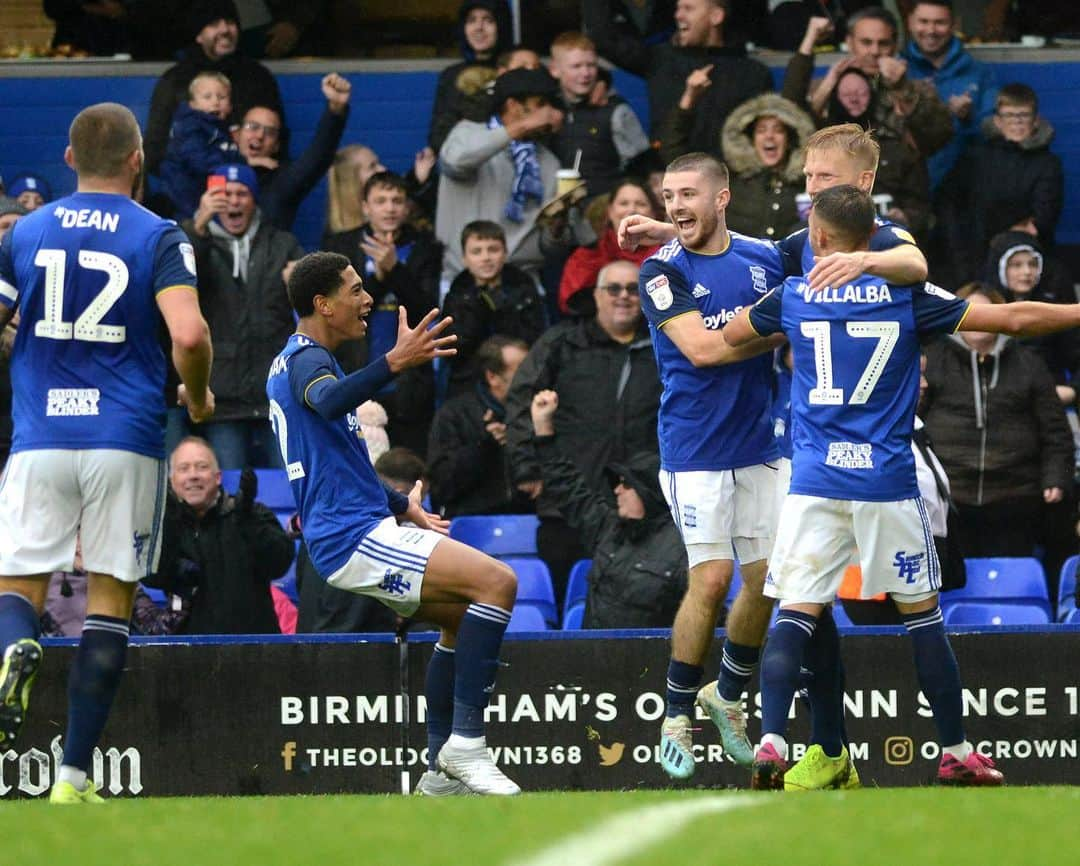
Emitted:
<point x="315" y="274"/>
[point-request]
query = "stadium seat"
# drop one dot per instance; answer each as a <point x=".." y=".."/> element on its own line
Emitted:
<point x="498" y="534"/>
<point x="985" y="613"/>
<point x="534" y="586"/>
<point x="1067" y="589"/>
<point x="577" y="585"/>
<point x="1003" y="579"/>
<point x="526" y="617"/>
<point x="157" y="596"/>
<point x="1074" y="617"/>
<point x="274" y="491"/>
<point x="575" y="613"/>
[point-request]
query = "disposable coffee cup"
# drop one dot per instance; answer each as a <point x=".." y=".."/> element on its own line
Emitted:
<point x="567" y="178"/>
<point x="802" y="205"/>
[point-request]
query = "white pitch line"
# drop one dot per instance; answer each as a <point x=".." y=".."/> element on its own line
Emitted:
<point x="632" y="832"/>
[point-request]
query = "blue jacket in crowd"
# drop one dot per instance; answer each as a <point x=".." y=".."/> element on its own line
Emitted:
<point x="199" y="142"/>
<point x="960" y="73"/>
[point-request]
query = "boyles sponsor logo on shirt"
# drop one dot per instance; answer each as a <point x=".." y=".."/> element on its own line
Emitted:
<point x="757" y="274"/>
<point x="659" y="291"/>
<point x="72" y="401"/>
<point x="718" y="320"/>
<point x="850" y="455"/>
<point x="908" y="567"/>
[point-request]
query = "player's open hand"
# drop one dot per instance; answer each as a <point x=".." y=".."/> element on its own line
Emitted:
<point x="421" y="344"/>
<point x="416" y="515"/>
<point x="544" y="404"/>
<point x="836" y="269"/>
<point x="197" y="411"/>
<point x="637" y="229"/>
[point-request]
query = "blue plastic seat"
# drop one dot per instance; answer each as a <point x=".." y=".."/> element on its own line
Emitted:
<point x="994" y="613"/>
<point x="577" y="585"/>
<point x="575" y="613"/>
<point x="498" y="534"/>
<point x="274" y="491"/>
<point x="527" y="617"/>
<point x="534" y="586"/>
<point x="1073" y="617"/>
<point x="1067" y="589"/>
<point x="1003" y="579"/>
<point x="839" y="615"/>
<point x="157" y="596"/>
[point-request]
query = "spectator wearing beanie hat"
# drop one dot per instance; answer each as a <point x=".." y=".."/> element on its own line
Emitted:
<point x="214" y="28"/>
<point x="241" y="261"/>
<point x="30" y="190"/>
<point x="10" y="213"/>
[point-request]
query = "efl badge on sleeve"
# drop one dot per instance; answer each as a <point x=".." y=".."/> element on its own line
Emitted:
<point x="659" y="291"/>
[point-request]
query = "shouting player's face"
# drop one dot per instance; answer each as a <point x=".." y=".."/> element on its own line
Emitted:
<point x="349" y="306"/>
<point x="828" y="167"/>
<point x="694" y="204"/>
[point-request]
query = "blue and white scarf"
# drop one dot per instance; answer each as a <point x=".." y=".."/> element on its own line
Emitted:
<point x="527" y="181"/>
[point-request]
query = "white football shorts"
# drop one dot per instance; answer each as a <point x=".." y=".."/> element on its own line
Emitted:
<point x="112" y="501"/>
<point x="818" y="538"/>
<point x="389" y="565"/>
<point x="728" y="514"/>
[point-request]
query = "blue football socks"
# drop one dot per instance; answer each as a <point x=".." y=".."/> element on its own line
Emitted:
<point x="479" y="639"/>
<point x="938" y="672"/>
<point x="439" y="692"/>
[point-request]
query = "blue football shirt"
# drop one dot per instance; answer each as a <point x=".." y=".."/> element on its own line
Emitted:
<point x="339" y="495"/>
<point x="87" y="369"/>
<point x="711" y="418"/>
<point x="856" y="380"/>
<point x="798" y="256"/>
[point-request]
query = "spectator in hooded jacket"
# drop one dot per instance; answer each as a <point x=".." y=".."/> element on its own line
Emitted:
<point x="762" y="143"/>
<point x="486" y="31"/>
<point x="1001" y="434"/>
<point x="639" y="568"/>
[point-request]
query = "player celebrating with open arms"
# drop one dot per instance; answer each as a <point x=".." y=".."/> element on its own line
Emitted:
<point x="365" y="537"/>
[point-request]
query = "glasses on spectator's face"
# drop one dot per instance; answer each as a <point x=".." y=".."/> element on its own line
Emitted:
<point x="616" y="289"/>
<point x="268" y="131"/>
<point x="1016" y="116"/>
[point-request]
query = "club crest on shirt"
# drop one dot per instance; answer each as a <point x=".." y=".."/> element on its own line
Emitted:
<point x="757" y="274"/>
<point x="659" y="292"/>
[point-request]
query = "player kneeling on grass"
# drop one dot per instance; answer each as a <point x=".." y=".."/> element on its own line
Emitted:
<point x="853" y="485"/>
<point x="366" y="538"/>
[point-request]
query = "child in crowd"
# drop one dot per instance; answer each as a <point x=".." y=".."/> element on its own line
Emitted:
<point x="400" y="265"/>
<point x="199" y="142"/>
<point x="488" y="297"/>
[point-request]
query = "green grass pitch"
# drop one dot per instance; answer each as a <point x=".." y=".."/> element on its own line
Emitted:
<point x="914" y="827"/>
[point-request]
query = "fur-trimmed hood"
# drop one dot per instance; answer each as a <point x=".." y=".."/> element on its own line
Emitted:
<point x="738" y="144"/>
<point x="1039" y="139"/>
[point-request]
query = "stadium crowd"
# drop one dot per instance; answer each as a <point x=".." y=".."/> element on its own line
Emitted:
<point x="507" y="221"/>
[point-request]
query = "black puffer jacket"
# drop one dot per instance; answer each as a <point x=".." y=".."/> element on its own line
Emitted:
<point x="609" y="396"/>
<point x="639" y="567"/>
<point x="229" y="558"/>
<point x="997" y="425"/>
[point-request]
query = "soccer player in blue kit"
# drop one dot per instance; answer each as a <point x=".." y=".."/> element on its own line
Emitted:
<point x="92" y="276"/>
<point x="856" y="383"/>
<point x="834" y="155"/>
<point x="365" y="537"/>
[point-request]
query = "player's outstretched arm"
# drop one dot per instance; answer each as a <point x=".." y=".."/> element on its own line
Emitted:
<point x="705" y="348"/>
<point x="635" y="230"/>
<point x="192" y="352"/>
<point x="904" y="264"/>
<point x="1021" y="319"/>
<point x="421" y="344"/>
